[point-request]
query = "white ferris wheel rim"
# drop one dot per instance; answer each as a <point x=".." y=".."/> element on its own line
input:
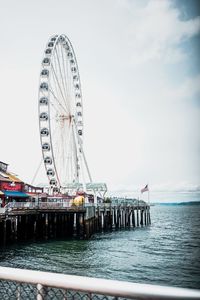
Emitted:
<point x="60" y="111"/>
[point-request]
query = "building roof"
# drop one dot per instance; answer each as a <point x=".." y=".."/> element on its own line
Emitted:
<point x="12" y="177"/>
<point x="5" y="176"/>
<point x="3" y="163"/>
<point x="4" y="179"/>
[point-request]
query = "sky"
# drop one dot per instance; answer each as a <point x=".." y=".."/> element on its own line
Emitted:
<point x="139" y="64"/>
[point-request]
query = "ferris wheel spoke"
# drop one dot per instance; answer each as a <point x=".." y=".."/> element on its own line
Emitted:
<point x="65" y="66"/>
<point x="55" y="132"/>
<point x="75" y="157"/>
<point x="56" y="107"/>
<point x="62" y="144"/>
<point x="58" y="157"/>
<point x="60" y="71"/>
<point x="83" y="154"/>
<point x="54" y="87"/>
<point x="70" y="156"/>
<point x="69" y="85"/>
<point x="54" y="82"/>
<point x="57" y="85"/>
<point x="64" y="63"/>
<point x="68" y="142"/>
<point x="67" y="76"/>
<point x="58" y="100"/>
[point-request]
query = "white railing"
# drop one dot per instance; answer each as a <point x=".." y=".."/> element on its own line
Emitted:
<point x="33" y="205"/>
<point x="43" y="205"/>
<point x="91" y="286"/>
<point x="54" y="205"/>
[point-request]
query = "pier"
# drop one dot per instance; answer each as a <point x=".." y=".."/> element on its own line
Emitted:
<point x="25" y="221"/>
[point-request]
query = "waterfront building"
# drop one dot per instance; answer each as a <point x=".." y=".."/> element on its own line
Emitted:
<point x="33" y="192"/>
<point x="11" y="187"/>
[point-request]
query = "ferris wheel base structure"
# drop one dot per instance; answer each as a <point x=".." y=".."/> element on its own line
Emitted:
<point x="60" y="112"/>
<point x="98" y="189"/>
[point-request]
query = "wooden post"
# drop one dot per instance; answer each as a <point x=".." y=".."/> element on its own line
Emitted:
<point x="141" y="217"/>
<point x="129" y="218"/>
<point x="118" y="218"/>
<point x="137" y="217"/>
<point x="54" y="224"/>
<point x="35" y="227"/>
<point x="15" y="227"/>
<point x="113" y="218"/>
<point x="46" y="225"/>
<point x="145" y="215"/>
<point x="133" y="217"/>
<point x="4" y="232"/>
<point x="122" y="217"/>
<point x="149" y="215"/>
<point x="102" y="219"/>
<point x="125" y="217"/>
<point x="50" y="225"/>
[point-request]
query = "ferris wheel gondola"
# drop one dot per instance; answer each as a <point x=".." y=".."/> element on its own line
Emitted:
<point x="61" y="115"/>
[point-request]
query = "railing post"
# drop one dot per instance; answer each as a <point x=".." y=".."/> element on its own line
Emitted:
<point x="40" y="292"/>
<point x="18" y="292"/>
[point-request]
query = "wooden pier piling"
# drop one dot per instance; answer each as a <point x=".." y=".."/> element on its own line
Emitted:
<point x="80" y="222"/>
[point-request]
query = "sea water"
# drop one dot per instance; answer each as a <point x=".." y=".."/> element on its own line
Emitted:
<point x="165" y="253"/>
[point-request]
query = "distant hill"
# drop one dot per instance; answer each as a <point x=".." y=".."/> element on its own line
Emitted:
<point x="189" y="203"/>
<point x="178" y="203"/>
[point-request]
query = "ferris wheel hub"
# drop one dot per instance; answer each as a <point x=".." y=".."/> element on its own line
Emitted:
<point x="63" y="118"/>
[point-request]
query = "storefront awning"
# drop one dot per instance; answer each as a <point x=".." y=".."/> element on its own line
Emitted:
<point x="15" y="194"/>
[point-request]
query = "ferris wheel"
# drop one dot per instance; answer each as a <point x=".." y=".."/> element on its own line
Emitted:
<point x="60" y="112"/>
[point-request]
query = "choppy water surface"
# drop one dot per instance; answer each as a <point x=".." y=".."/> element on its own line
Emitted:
<point x="166" y="253"/>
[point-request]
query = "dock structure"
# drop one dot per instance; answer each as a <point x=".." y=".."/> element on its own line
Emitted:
<point x="28" y="221"/>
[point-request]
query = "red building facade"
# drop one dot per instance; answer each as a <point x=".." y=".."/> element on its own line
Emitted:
<point x="11" y="187"/>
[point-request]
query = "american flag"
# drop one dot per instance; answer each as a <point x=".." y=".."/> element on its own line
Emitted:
<point x="145" y="189"/>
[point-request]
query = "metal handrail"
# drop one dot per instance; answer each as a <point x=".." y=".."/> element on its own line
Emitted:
<point x="55" y="205"/>
<point x="114" y="288"/>
<point x="34" y="205"/>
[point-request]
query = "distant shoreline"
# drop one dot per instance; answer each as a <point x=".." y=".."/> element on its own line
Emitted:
<point x="176" y="203"/>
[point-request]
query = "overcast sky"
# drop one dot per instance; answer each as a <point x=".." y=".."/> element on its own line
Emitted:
<point x="140" y="71"/>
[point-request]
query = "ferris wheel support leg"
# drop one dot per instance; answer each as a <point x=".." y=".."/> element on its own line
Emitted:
<point x="86" y="165"/>
<point x="82" y="152"/>
<point x="75" y="156"/>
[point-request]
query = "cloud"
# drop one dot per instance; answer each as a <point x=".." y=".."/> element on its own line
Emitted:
<point x="157" y="32"/>
<point x="186" y="91"/>
<point x="189" y="88"/>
